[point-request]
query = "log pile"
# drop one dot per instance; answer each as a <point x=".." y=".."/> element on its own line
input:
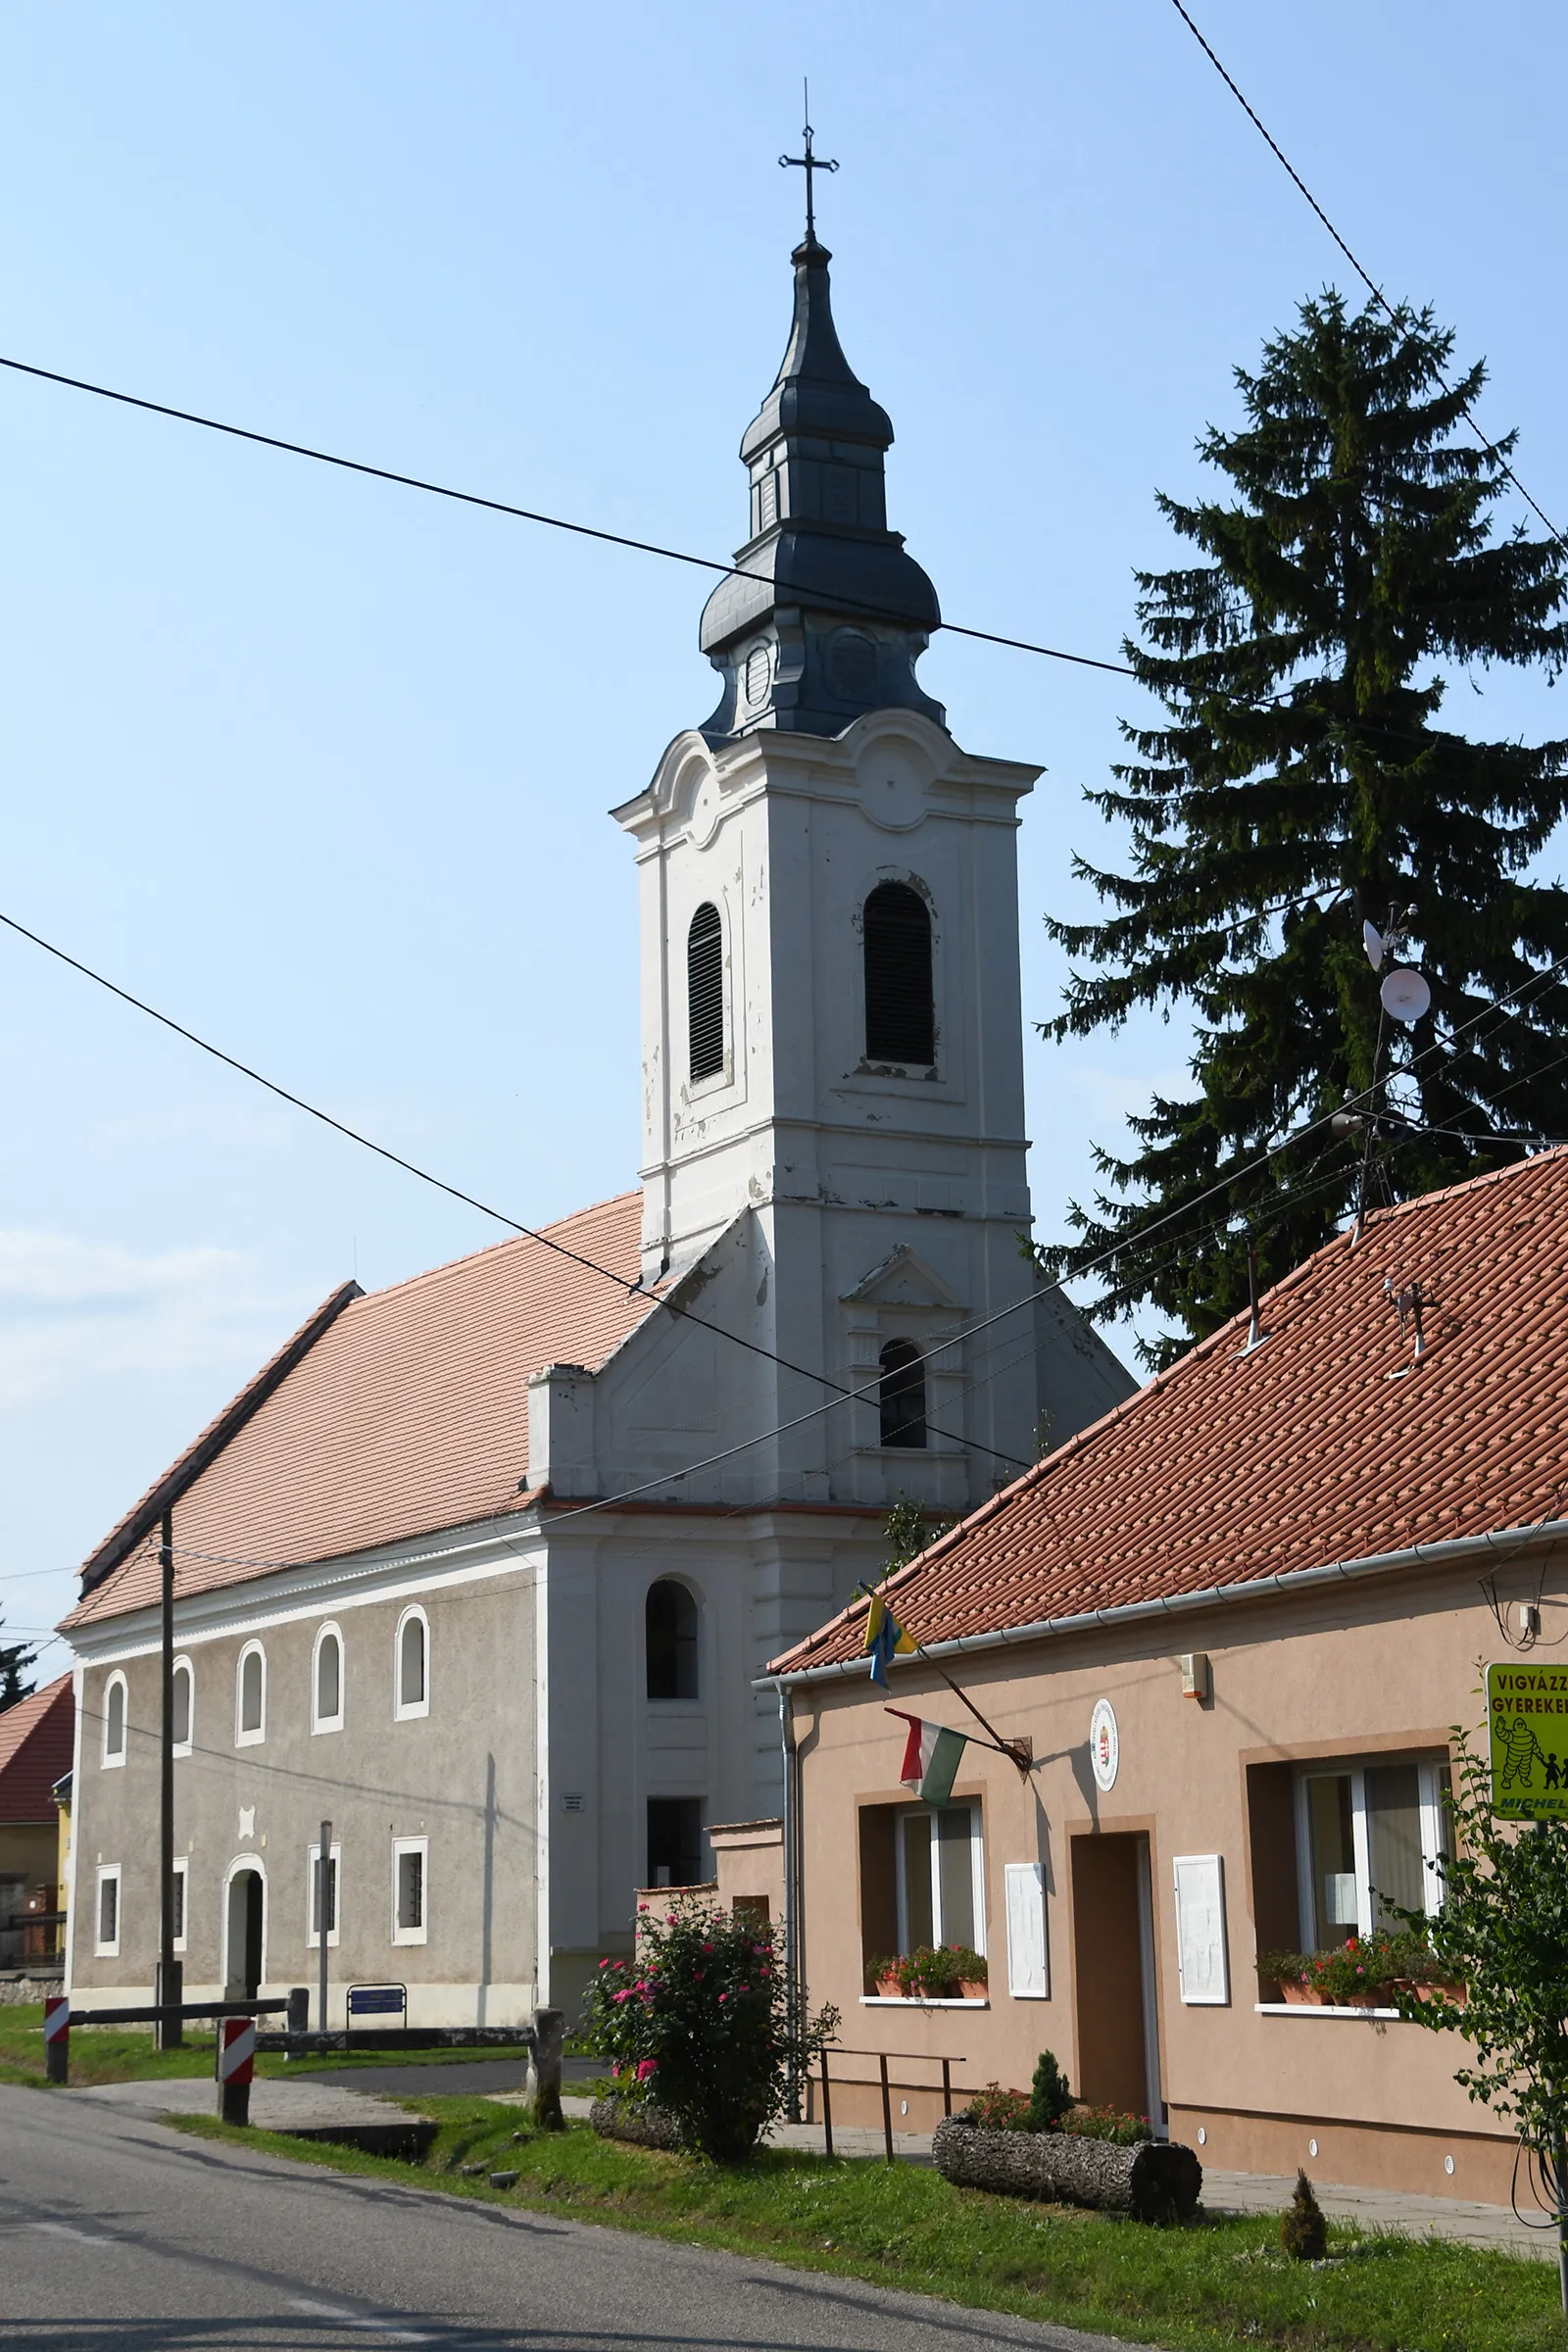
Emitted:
<point x="1157" y="2180"/>
<point x="636" y="2120"/>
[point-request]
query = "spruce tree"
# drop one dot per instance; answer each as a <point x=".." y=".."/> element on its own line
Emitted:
<point x="1302" y="786"/>
<point x="16" y="1659"/>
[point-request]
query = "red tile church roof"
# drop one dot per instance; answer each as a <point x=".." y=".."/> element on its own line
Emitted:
<point x="406" y="1414"/>
<point x="1323" y="1444"/>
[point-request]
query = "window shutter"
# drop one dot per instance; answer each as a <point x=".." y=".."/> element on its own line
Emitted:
<point x="1028" y="1972"/>
<point x="704" y="992"/>
<point x="900" y="1007"/>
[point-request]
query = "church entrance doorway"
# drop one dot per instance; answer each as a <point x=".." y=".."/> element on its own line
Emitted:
<point x="1113" y="1970"/>
<point x="246" y="1931"/>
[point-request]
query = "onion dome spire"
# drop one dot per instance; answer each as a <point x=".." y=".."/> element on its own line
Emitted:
<point x="828" y="615"/>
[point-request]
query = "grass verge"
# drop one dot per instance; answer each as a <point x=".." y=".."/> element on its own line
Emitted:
<point x="105" y="2054"/>
<point x="1202" y="2288"/>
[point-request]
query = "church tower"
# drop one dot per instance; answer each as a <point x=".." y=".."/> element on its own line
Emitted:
<point x="831" y="1016"/>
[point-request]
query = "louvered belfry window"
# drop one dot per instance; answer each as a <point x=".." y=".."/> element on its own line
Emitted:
<point x="704" y="992"/>
<point x="900" y="1007"/>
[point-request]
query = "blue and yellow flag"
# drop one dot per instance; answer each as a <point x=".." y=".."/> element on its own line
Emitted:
<point x="885" y="1638"/>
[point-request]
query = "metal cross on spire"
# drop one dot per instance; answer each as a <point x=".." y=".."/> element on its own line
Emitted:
<point x="808" y="163"/>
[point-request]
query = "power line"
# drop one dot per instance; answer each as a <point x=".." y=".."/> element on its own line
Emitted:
<point x="501" y="505"/>
<point x="631" y="1289"/>
<point x="1362" y="272"/>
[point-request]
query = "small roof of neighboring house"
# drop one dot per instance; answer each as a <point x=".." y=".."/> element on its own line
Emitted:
<point x="404" y="1412"/>
<point x="1328" y="1443"/>
<point x="36" y="1744"/>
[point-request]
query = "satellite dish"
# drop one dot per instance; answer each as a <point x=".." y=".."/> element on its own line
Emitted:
<point x="1372" y="941"/>
<point x="1404" y="993"/>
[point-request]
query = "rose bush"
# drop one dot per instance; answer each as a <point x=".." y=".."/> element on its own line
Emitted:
<point x="699" y="2023"/>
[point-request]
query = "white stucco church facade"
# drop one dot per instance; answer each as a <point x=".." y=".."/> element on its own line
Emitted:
<point x="482" y="1569"/>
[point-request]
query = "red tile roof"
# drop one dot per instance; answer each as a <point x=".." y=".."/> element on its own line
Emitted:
<point x="1321" y="1444"/>
<point x="35" y="1740"/>
<point x="407" y="1413"/>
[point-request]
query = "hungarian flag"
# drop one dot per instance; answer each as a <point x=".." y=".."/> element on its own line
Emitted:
<point x="931" y="1758"/>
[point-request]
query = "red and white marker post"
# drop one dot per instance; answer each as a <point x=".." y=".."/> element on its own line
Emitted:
<point x="237" y="2064"/>
<point x="57" y="2038"/>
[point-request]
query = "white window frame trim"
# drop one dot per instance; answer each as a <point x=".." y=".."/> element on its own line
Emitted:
<point x="182" y="1873"/>
<point x="335" y="1855"/>
<point x="412" y="1845"/>
<point x="1429" y="1769"/>
<point x="109" y="1873"/>
<point x="415" y="1708"/>
<point x="977" y="1866"/>
<point x="318" y="1721"/>
<point x="184" y="1665"/>
<point x="112" y="1760"/>
<point x="258" y="1863"/>
<point x="243" y="1737"/>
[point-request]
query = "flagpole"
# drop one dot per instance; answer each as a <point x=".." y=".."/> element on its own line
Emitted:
<point x="1018" y="1752"/>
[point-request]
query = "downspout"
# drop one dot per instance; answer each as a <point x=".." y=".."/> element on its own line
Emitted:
<point x="792" y="1886"/>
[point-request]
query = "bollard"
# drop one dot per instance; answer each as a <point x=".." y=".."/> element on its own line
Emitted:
<point x="549" y="2033"/>
<point x="57" y="2038"/>
<point x="297" y="2018"/>
<point x="236" y="2063"/>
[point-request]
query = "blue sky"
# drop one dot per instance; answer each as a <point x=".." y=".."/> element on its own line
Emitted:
<point x="322" y="767"/>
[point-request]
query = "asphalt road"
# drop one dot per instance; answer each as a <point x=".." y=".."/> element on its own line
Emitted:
<point x="123" y="2237"/>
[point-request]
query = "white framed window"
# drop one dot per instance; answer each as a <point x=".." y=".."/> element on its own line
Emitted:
<point x="181" y="1897"/>
<point x="411" y="1889"/>
<point x="1367" y="1838"/>
<point x="939" y="1867"/>
<point x="115" y="1699"/>
<point x="107" y="1919"/>
<point x="312" y="1893"/>
<point x="411" y="1665"/>
<point x="327" y="1681"/>
<point x="185" y="1725"/>
<point x="250" y="1696"/>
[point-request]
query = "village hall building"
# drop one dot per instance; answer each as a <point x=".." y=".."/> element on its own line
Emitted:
<point x="480" y="1569"/>
<point x="1235" y="1623"/>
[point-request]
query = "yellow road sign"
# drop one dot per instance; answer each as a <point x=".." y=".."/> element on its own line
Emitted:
<point x="1527" y="1719"/>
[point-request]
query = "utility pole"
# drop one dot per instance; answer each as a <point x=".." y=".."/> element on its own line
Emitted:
<point x="323" y="1881"/>
<point x="171" y="1972"/>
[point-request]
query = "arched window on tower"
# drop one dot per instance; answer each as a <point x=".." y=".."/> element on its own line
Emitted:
<point x="900" y="1003"/>
<point x="704" y="992"/>
<point x="903" y="1395"/>
<point x="670" y="1629"/>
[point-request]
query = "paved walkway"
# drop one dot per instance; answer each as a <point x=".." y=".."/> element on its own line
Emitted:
<point x="276" y="2105"/>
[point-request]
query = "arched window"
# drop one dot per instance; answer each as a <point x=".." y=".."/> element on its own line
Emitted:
<point x="900" y="1006"/>
<point x="413" y="1665"/>
<point x="669" y="1621"/>
<point x="704" y="992"/>
<point x="114" y="1720"/>
<point x="249" y="1712"/>
<point x="184" y="1726"/>
<point x="326" y="1681"/>
<point x="903" y="1395"/>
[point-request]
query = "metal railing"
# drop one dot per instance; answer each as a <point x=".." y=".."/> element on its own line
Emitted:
<point x="887" y="2085"/>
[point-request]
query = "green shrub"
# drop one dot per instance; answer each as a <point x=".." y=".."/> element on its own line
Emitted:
<point x="1108" y="2122"/>
<point x="932" y="1971"/>
<point x="1049" y="2097"/>
<point x="698" y="2021"/>
<point x="1303" y="2232"/>
<point x="996" y="2110"/>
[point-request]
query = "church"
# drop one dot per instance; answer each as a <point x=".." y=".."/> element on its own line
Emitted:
<point x="474" y="1579"/>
